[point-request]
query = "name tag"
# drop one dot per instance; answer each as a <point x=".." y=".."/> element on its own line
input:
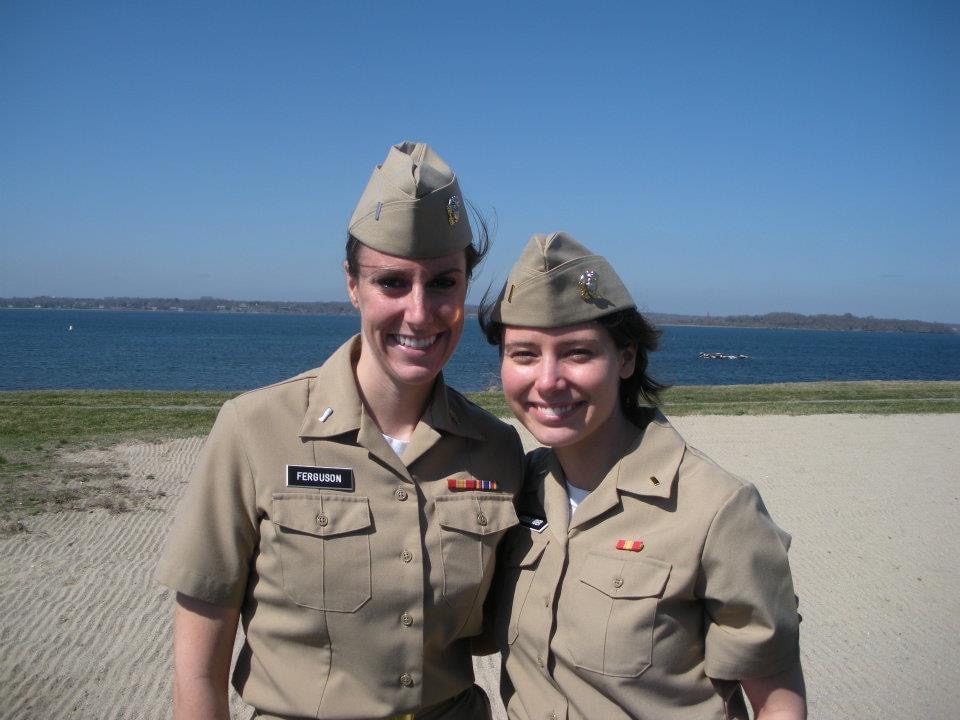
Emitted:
<point x="320" y="477"/>
<point x="533" y="523"/>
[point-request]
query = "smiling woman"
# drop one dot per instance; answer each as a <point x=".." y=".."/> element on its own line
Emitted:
<point x="411" y="318"/>
<point x="643" y="580"/>
<point x="351" y="514"/>
<point x="563" y="384"/>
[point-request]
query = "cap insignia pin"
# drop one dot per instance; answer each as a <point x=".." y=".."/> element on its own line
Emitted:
<point x="453" y="210"/>
<point x="589" y="285"/>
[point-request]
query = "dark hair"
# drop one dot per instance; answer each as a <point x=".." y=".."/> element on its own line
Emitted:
<point x="476" y="251"/>
<point x="639" y="393"/>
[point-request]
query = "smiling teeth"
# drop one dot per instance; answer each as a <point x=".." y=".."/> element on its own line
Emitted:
<point x="415" y="342"/>
<point x="556" y="410"/>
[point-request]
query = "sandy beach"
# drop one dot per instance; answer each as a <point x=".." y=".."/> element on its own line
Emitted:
<point x="871" y="501"/>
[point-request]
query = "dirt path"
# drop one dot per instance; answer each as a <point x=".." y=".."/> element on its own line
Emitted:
<point x="872" y="503"/>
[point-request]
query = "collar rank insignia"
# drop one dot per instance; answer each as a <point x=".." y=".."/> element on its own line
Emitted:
<point x="631" y="545"/>
<point x="470" y="484"/>
<point x="322" y="478"/>
<point x="532" y="522"/>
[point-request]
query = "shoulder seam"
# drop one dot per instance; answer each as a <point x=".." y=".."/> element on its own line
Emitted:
<point x="308" y="375"/>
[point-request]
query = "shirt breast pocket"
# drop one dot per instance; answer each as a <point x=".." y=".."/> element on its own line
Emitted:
<point x="618" y="599"/>
<point x="323" y="543"/>
<point x="471" y="526"/>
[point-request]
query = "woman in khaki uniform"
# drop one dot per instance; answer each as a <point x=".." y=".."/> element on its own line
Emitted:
<point x="349" y="517"/>
<point x="643" y="581"/>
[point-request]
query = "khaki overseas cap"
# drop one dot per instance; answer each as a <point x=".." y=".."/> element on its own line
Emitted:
<point x="412" y="206"/>
<point x="557" y="282"/>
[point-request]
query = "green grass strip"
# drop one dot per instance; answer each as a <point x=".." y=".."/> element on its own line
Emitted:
<point x="814" y="398"/>
<point x="866" y="397"/>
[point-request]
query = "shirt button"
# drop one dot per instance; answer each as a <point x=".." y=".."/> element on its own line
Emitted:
<point x="546" y="601"/>
<point x="322" y="520"/>
<point x="553" y="716"/>
<point x="406" y="680"/>
<point x="406" y="556"/>
<point x="618" y="582"/>
<point x="481" y="518"/>
<point x="540" y="660"/>
<point x="406" y="619"/>
<point x="401" y="494"/>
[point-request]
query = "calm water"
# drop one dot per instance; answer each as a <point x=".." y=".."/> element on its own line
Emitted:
<point x="208" y="351"/>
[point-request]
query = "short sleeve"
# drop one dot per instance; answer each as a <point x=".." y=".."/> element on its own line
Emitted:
<point x="214" y="536"/>
<point x="752" y="626"/>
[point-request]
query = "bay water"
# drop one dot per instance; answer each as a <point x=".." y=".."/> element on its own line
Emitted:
<point x="102" y="349"/>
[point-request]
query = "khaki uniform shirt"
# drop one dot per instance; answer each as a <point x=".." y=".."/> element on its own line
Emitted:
<point x="357" y="602"/>
<point x="661" y="631"/>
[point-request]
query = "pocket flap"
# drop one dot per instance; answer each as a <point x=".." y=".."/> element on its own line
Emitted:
<point x="625" y="577"/>
<point x="477" y="513"/>
<point x="321" y="515"/>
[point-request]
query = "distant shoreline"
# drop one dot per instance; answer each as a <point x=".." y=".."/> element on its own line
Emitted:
<point x="950" y="331"/>
<point x="776" y="320"/>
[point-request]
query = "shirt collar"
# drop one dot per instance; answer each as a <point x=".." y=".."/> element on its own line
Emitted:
<point x="334" y="406"/>
<point x="649" y="467"/>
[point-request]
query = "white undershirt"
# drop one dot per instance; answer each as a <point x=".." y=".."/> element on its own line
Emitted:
<point x="398" y="445"/>
<point x="576" y="496"/>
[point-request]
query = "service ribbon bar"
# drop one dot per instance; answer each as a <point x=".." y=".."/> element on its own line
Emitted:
<point x="470" y="484"/>
<point x="631" y="545"/>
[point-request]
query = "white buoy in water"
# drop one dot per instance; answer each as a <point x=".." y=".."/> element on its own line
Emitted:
<point x="70" y="327"/>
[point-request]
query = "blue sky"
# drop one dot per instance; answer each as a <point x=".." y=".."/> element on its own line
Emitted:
<point x="738" y="157"/>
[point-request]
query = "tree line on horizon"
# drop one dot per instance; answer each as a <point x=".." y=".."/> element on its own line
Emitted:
<point x="782" y="320"/>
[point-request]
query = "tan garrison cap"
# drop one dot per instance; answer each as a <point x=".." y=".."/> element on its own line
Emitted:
<point x="557" y="282"/>
<point x="412" y="206"/>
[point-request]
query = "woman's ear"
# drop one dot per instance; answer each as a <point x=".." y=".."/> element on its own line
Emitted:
<point x="351" y="286"/>
<point x="628" y="361"/>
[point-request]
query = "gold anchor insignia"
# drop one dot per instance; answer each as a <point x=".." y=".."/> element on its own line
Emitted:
<point x="589" y="285"/>
<point x="453" y="210"/>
